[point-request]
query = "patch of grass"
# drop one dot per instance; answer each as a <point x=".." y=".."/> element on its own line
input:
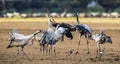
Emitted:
<point x="73" y="19"/>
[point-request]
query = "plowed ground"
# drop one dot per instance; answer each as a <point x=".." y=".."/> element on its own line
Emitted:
<point x="8" y="56"/>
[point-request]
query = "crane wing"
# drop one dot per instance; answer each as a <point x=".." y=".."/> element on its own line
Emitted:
<point x="70" y="27"/>
<point x="68" y="34"/>
<point x="80" y="28"/>
<point x="65" y="32"/>
<point x="87" y="27"/>
<point x="83" y="27"/>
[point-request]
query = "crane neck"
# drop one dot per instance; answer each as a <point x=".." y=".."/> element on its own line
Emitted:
<point x="78" y="22"/>
<point x="31" y="36"/>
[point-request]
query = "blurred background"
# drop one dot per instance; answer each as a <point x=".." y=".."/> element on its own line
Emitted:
<point x="60" y="8"/>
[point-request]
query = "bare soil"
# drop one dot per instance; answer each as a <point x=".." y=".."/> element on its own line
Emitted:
<point x="8" y="56"/>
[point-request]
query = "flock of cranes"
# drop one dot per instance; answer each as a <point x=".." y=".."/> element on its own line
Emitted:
<point x="56" y="31"/>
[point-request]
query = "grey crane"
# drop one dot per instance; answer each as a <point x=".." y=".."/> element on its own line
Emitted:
<point x="85" y="30"/>
<point x="69" y="26"/>
<point x="101" y="39"/>
<point x="20" y="40"/>
<point x="51" y="37"/>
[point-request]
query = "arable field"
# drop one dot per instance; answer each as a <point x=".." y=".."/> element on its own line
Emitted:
<point x="111" y="26"/>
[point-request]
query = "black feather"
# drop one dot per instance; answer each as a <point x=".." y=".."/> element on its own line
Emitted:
<point x="65" y="25"/>
<point x="68" y="34"/>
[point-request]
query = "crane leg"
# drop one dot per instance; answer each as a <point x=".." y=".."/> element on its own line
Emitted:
<point x="88" y="48"/>
<point x="78" y="45"/>
<point x="17" y="54"/>
<point x="9" y="45"/>
<point x="98" y="51"/>
<point x="47" y="48"/>
<point x="41" y="48"/>
<point x="25" y="54"/>
<point x="54" y="49"/>
<point x="50" y="49"/>
<point x="103" y="47"/>
<point x="87" y="45"/>
<point x="102" y="50"/>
